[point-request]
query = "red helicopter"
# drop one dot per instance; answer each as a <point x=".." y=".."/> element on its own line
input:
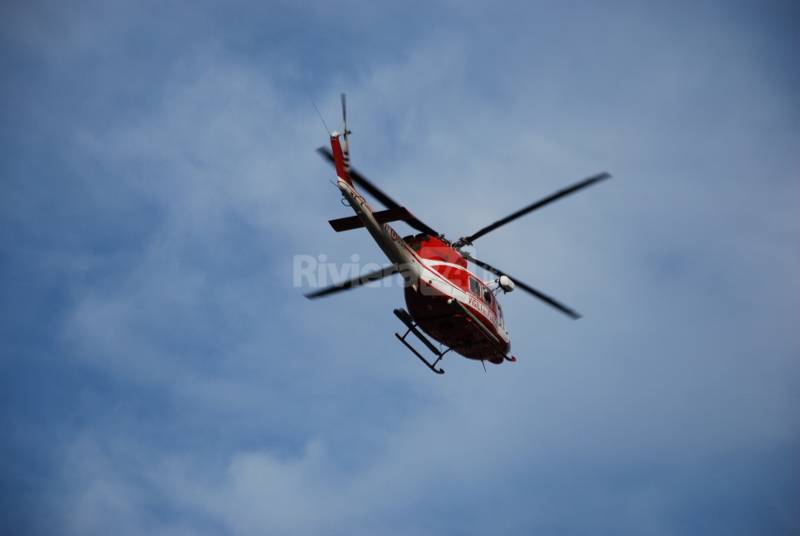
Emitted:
<point x="445" y="300"/>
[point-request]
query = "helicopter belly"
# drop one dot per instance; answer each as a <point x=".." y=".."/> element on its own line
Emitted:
<point x="438" y="317"/>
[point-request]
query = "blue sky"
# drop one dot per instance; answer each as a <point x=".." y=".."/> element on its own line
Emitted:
<point x="160" y="374"/>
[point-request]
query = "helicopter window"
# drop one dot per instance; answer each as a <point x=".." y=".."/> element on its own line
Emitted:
<point x="474" y="287"/>
<point x="415" y="241"/>
<point x="487" y="296"/>
<point x="500" y="319"/>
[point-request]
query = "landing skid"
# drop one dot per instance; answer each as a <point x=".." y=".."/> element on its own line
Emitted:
<point x="406" y="319"/>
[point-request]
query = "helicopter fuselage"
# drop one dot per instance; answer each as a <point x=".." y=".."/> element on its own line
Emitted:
<point x="451" y="304"/>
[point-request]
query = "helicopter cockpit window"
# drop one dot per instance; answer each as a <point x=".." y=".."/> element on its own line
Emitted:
<point x="500" y="319"/>
<point x="474" y="286"/>
<point x="415" y="241"/>
<point x="487" y="296"/>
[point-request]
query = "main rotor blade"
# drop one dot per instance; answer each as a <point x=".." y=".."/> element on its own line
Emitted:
<point x="354" y="283"/>
<point x="375" y="192"/>
<point x="530" y="208"/>
<point x="524" y="286"/>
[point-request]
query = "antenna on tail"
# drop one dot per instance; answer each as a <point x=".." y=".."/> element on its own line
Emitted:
<point x="324" y="124"/>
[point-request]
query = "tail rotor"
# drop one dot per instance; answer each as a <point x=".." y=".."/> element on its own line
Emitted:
<point x="345" y="133"/>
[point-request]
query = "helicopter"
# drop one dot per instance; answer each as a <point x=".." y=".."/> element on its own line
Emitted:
<point x="446" y="301"/>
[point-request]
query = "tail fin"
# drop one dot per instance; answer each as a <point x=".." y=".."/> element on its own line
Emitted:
<point x="338" y="159"/>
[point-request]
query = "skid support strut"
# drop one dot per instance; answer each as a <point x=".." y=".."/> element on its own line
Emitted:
<point x="406" y="319"/>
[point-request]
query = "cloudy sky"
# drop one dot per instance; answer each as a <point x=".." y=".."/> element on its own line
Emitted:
<point x="161" y="374"/>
